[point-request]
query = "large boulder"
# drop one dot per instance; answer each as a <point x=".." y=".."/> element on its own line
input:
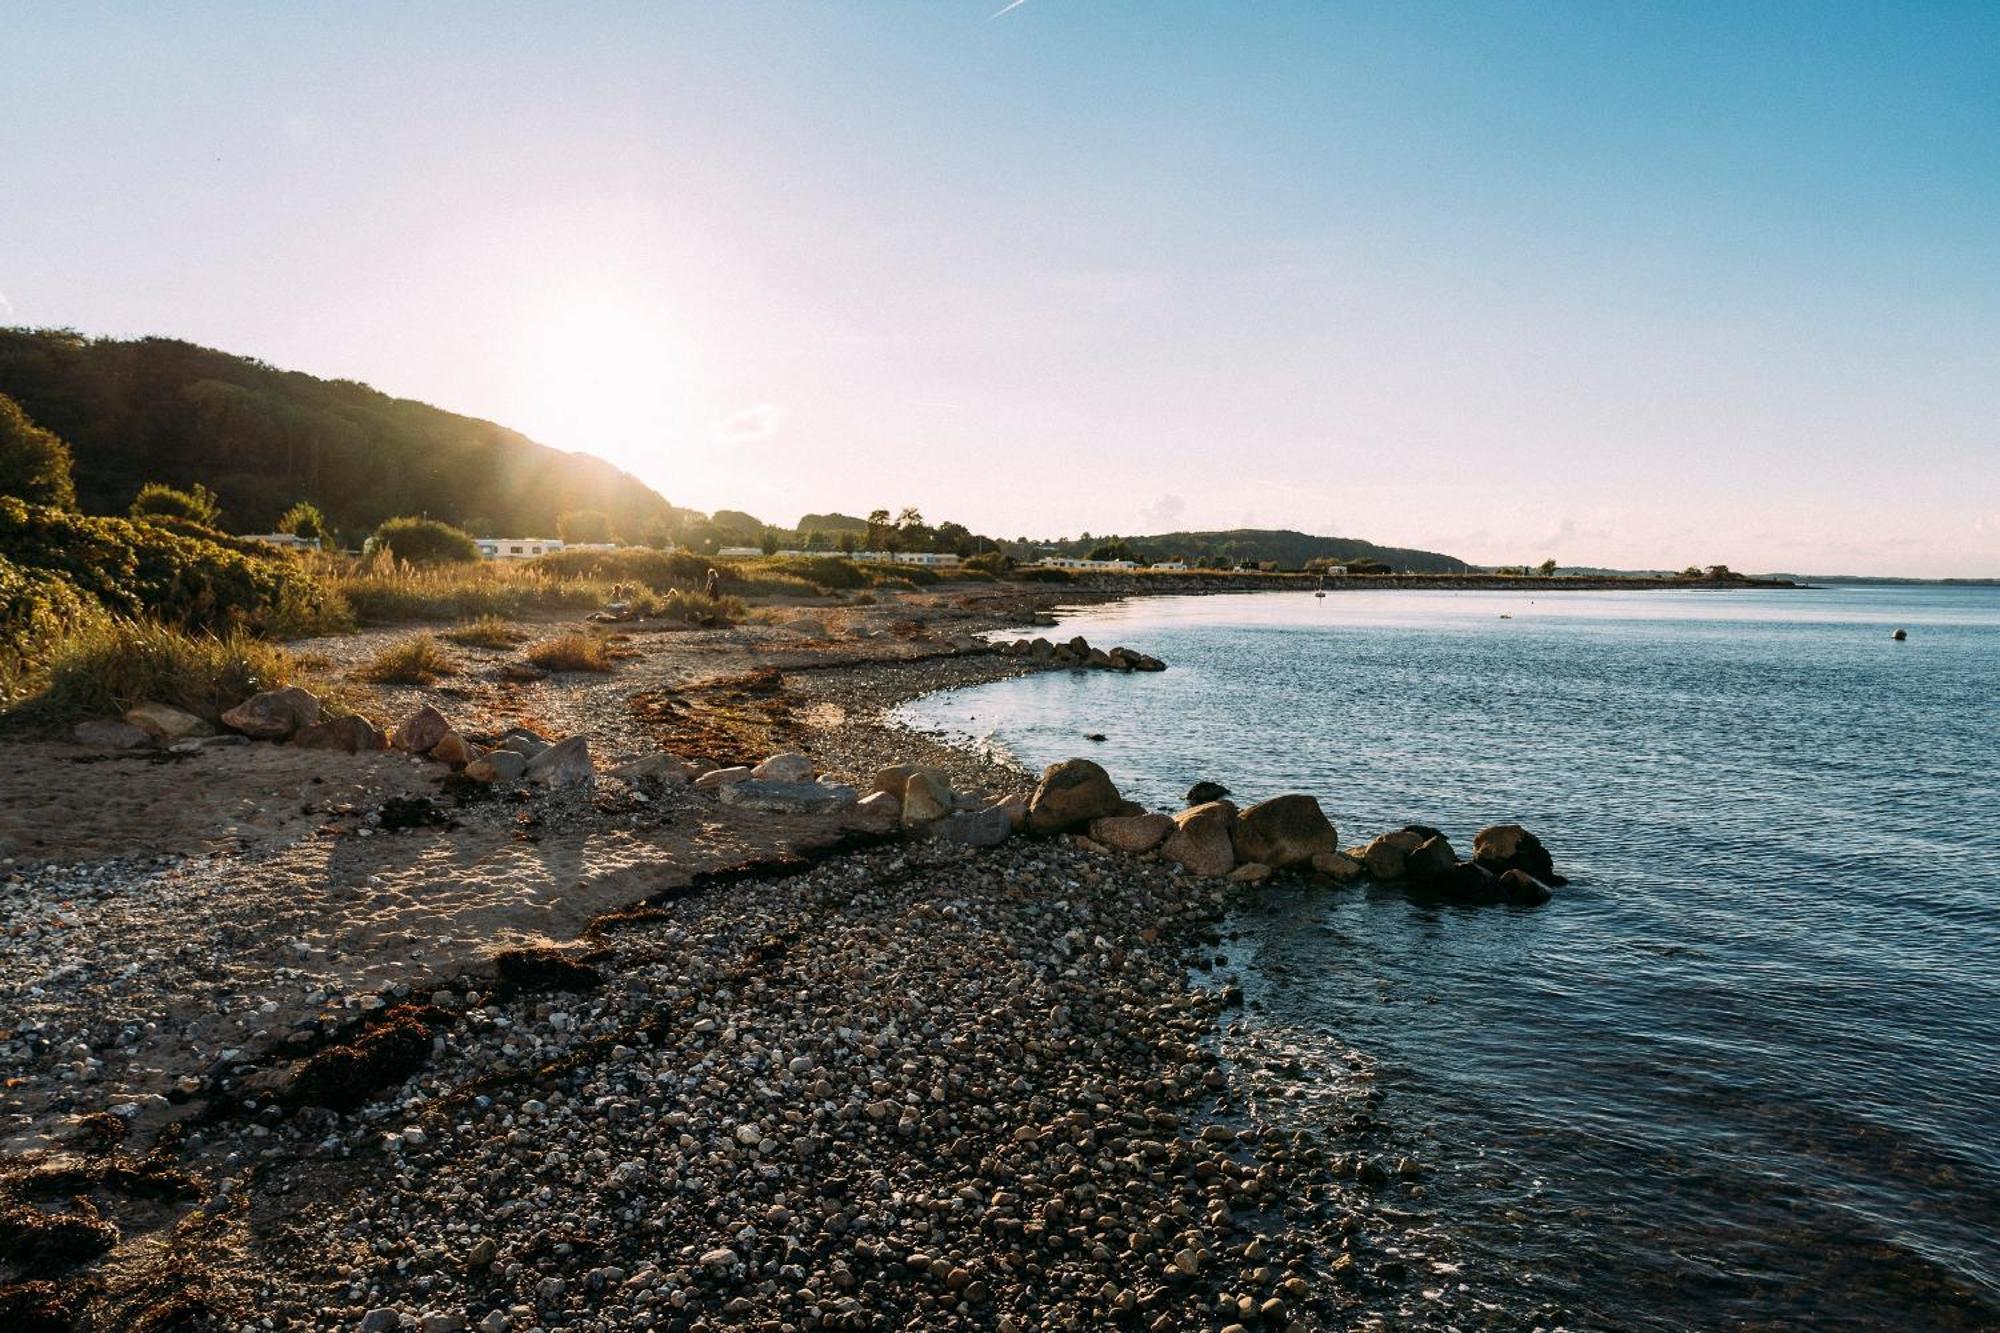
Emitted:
<point x="564" y="764"/>
<point x="108" y="733"/>
<point x="1204" y="792"/>
<point x="350" y="732"/>
<point x="1504" y="847"/>
<point x="1518" y="886"/>
<point x="1388" y="857"/>
<point x="974" y="828"/>
<point x="926" y="798"/>
<point x="165" y="723"/>
<point x="455" y="750"/>
<point x="1433" y="858"/>
<point x="786" y="798"/>
<point x="1016" y="807"/>
<point x="1338" y="867"/>
<point x="1200" y="841"/>
<point x="1132" y="834"/>
<point x="421" y="730"/>
<point x="1464" y="882"/>
<point x="497" y="766"/>
<point x="274" y="715"/>
<point x="784" y="768"/>
<point x="1070" y="795"/>
<point x="1284" y="831"/>
<point x="879" y="809"/>
<point x="521" y="741"/>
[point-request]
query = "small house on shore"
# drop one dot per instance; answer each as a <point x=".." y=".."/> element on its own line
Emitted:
<point x="291" y="541"/>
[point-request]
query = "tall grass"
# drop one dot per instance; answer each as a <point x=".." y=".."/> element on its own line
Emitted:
<point x="382" y="590"/>
<point x="571" y="652"/>
<point x="417" y="660"/>
<point x="110" y="665"/>
<point x="487" y="632"/>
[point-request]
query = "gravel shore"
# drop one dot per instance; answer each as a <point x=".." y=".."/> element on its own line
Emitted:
<point x="913" y="1085"/>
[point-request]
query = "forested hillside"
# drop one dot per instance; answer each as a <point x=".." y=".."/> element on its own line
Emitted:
<point x="157" y="409"/>
<point x="1288" y="549"/>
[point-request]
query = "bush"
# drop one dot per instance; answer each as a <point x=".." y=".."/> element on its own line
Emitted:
<point x="305" y="520"/>
<point x="699" y="608"/>
<point x="382" y="589"/>
<point x="156" y="499"/>
<point x="417" y="660"/>
<point x="571" y="652"/>
<point x="486" y="632"/>
<point x="114" y="664"/>
<point x="425" y="541"/>
<point x="34" y="463"/>
<point x="164" y="571"/>
<point x="39" y="611"/>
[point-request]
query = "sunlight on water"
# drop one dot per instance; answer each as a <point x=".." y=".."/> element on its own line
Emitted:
<point x="1747" y="1067"/>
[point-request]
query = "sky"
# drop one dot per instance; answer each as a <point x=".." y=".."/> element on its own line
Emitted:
<point x="1619" y="284"/>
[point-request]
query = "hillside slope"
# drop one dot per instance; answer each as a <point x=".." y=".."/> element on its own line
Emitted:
<point x="1288" y="548"/>
<point x="157" y="409"/>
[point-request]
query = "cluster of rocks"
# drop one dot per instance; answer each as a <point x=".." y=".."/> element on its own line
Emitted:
<point x="1078" y="653"/>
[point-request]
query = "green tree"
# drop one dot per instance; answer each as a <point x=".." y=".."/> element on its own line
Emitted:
<point x="816" y="540"/>
<point x="156" y="499"/>
<point x="425" y="541"/>
<point x="881" y="535"/>
<point x="768" y="543"/>
<point x="849" y="542"/>
<point x="34" y="463"/>
<point x="1546" y="568"/>
<point x="304" y="520"/>
<point x="1115" y="549"/>
<point x="587" y="526"/>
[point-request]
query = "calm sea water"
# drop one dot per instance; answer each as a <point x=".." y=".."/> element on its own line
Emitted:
<point x="1745" y="1070"/>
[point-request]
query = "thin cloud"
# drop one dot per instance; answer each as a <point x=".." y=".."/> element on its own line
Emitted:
<point x="1009" y="8"/>
<point x="752" y="425"/>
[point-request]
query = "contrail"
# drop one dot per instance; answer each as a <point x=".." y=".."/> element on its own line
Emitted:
<point x="1009" y="8"/>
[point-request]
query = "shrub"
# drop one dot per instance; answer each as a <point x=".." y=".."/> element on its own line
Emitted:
<point x="304" y="520"/>
<point x="571" y="652"/>
<point x="699" y="608"/>
<point x="114" y="664"/>
<point x="34" y="463"/>
<point x="156" y="499"/>
<point x="383" y="589"/>
<point x="425" y="541"/>
<point x="486" y="632"/>
<point x="38" y="612"/>
<point x="167" y="571"/>
<point x="417" y="660"/>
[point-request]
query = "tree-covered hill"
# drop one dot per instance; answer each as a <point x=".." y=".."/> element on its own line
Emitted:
<point x="1286" y="548"/>
<point x="157" y="409"/>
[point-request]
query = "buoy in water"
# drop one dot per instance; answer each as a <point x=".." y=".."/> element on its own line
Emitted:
<point x="1899" y="636"/>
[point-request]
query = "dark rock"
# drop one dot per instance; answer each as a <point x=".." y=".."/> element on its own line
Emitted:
<point x="1433" y="858"/>
<point x="274" y="715"/>
<point x="1204" y="792"/>
<point x="1504" y="847"/>
<point x="974" y="828"/>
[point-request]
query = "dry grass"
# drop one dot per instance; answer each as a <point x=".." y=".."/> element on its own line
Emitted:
<point x="417" y="660"/>
<point x="487" y="632"/>
<point x="108" y="666"/>
<point x="572" y="652"/>
<point x="382" y="589"/>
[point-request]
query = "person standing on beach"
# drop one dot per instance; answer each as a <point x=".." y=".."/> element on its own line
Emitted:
<point x="711" y="587"/>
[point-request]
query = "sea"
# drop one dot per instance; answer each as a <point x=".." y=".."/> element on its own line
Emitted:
<point x="1743" y="1072"/>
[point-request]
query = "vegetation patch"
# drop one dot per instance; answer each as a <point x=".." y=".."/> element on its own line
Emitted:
<point x="572" y="652"/>
<point x="111" y="665"/>
<point x="524" y="970"/>
<point x="383" y="589"/>
<point x="417" y="660"/>
<point x="44" y="1306"/>
<point x="344" y="1077"/>
<point x="487" y="632"/>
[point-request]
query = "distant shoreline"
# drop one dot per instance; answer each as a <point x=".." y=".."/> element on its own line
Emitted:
<point x="1192" y="582"/>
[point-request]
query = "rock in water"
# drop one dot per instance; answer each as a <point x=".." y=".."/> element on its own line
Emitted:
<point x="497" y="766"/>
<point x="1388" y="857"/>
<point x="926" y="797"/>
<point x="1284" y="831"/>
<point x="1070" y="795"/>
<point x="1131" y="833"/>
<point x="564" y="764"/>
<point x="1201" y="841"/>
<point x="1204" y="792"/>
<point x="165" y="723"/>
<point x="1338" y="867"/>
<point x="274" y="715"/>
<point x="1433" y="858"/>
<point x="421" y="730"/>
<point x="786" y="798"/>
<point x="1504" y="847"/>
<point x="975" y="828"/>
<point x="108" y="733"/>
<point x="784" y="768"/>
<point x="1518" y="886"/>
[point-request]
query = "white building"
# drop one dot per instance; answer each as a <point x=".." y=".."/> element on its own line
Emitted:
<point x="291" y="541"/>
<point x="1078" y="562"/>
<point x="739" y="552"/>
<point x="933" y="559"/>
<point x="516" y="548"/>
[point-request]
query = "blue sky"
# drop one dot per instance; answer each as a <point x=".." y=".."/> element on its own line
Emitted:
<point x="1620" y="284"/>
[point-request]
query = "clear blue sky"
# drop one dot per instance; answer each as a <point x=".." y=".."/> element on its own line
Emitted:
<point x="1617" y="283"/>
